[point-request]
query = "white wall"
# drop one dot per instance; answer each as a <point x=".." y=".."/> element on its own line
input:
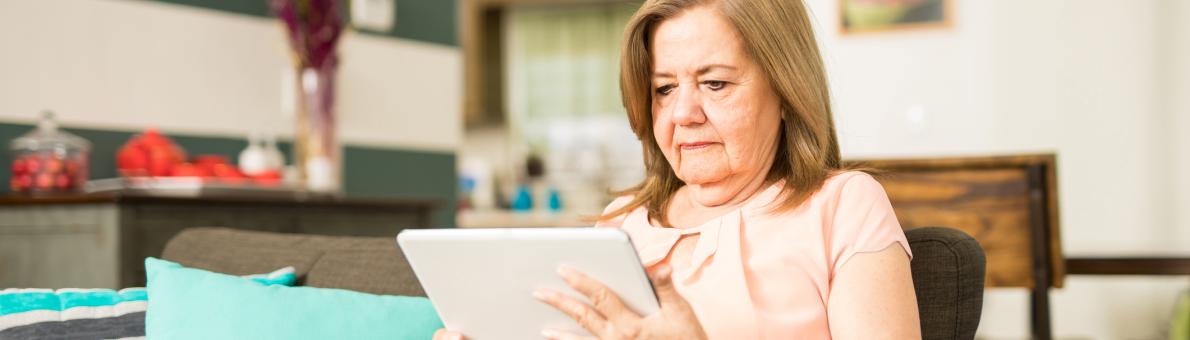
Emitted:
<point x="1092" y="80"/>
<point x="133" y="64"/>
<point x="1177" y="94"/>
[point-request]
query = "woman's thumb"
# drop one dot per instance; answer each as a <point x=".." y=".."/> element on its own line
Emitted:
<point x="663" y="284"/>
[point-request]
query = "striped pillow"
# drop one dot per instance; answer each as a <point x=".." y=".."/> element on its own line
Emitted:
<point x="88" y="313"/>
<point x="33" y="313"/>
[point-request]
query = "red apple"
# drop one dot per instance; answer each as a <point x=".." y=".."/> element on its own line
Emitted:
<point x="159" y="165"/>
<point x="53" y="165"/>
<point x="132" y="159"/>
<point x="162" y="158"/>
<point x="228" y="174"/>
<point x="156" y="141"/>
<point x="267" y="178"/>
<point x="24" y="182"/>
<point x="63" y="182"/>
<point x="18" y="166"/>
<point x="32" y="165"/>
<point x="45" y="181"/>
<point x="210" y="160"/>
<point x="188" y="170"/>
<point x="153" y="137"/>
<point x="72" y="167"/>
<point x="149" y="154"/>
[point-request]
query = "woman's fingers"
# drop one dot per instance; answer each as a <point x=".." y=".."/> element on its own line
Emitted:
<point x="443" y="334"/>
<point x="560" y="335"/>
<point x="673" y="305"/>
<point x="663" y="284"/>
<point x="586" y="316"/>
<point x="602" y="298"/>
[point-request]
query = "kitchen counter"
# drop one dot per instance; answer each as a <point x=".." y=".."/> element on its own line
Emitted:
<point x="101" y="240"/>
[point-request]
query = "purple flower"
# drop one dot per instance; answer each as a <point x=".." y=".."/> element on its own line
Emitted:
<point x="314" y="28"/>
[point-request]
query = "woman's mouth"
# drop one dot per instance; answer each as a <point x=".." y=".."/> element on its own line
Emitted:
<point x="694" y="146"/>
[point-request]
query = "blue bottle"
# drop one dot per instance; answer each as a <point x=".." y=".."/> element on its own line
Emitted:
<point x="522" y="200"/>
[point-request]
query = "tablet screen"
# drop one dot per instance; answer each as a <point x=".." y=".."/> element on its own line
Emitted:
<point x="481" y="280"/>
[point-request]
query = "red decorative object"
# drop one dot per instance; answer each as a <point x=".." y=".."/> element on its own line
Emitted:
<point x="47" y="160"/>
<point x="152" y="154"/>
<point x="149" y="154"/>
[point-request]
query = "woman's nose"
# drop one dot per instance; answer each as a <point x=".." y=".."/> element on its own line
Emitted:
<point x="688" y="108"/>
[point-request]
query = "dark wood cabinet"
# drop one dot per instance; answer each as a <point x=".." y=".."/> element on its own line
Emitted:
<point x="101" y="241"/>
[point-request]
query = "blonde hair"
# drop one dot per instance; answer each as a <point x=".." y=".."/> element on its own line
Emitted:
<point x="779" y="38"/>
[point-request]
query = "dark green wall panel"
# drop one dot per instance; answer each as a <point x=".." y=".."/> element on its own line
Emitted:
<point x="383" y="172"/>
<point x="427" y="20"/>
<point x="258" y="8"/>
<point x="424" y="20"/>
<point x="368" y="171"/>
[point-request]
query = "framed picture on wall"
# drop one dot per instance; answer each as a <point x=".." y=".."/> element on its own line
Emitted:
<point x="860" y="16"/>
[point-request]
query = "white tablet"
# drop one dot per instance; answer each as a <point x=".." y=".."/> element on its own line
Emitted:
<point x="482" y="280"/>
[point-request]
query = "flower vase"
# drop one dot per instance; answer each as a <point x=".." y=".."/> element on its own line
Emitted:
<point x="317" y="153"/>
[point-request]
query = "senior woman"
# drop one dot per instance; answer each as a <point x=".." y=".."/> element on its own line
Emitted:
<point x="748" y="223"/>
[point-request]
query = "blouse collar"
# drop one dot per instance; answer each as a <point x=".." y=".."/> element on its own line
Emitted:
<point x="655" y="243"/>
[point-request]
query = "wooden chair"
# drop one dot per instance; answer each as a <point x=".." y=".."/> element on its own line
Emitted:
<point x="1009" y="204"/>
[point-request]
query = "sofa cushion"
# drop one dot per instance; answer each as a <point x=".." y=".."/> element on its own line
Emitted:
<point x="190" y="303"/>
<point x="238" y="253"/>
<point x="370" y="271"/>
<point x="366" y="264"/>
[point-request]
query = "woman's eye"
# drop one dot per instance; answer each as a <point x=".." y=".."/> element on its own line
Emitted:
<point x="715" y="85"/>
<point x="664" y="90"/>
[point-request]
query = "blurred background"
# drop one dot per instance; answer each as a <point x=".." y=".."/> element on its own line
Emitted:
<point x="507" y="112"/>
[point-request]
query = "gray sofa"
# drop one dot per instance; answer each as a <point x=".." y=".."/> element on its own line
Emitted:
<point x="948" y="267"/>
<point x="365" y="264"/>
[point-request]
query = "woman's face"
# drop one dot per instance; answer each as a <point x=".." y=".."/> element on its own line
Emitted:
<point x="715" y="116"/>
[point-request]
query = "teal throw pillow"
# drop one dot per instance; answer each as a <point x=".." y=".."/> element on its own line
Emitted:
<point x="190" y="303"/>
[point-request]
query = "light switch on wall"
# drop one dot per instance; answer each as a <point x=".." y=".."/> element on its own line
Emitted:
<point x="373" y="15"/>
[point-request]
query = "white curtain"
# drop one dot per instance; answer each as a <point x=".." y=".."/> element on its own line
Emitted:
<point x="563" y="62"/>
<point x="563" y="98"/>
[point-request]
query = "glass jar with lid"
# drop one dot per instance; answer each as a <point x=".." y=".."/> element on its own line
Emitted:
<point x="48" y="160"/>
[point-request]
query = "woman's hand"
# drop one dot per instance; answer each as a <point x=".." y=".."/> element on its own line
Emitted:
<point x="608" y="318"/>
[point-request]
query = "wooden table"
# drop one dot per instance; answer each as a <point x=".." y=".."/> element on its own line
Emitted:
<point x="101" y="240"/>
<point x="1135" y="265"/>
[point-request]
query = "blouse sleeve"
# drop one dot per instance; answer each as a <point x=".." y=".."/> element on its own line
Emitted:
<point x="614" y="221"/>
<point x="864" y="221"/>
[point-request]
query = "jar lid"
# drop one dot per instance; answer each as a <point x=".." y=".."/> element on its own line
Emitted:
<point x="47" y="136"/>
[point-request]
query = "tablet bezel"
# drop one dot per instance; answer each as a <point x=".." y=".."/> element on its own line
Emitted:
<point x="481" y="280"/>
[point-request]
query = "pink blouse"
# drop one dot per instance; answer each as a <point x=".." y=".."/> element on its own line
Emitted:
<point x="753" y="273"/>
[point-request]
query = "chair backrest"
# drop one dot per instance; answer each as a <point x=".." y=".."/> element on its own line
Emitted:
<point x="1008" y="203"/>
<point x="948" y="276"/>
